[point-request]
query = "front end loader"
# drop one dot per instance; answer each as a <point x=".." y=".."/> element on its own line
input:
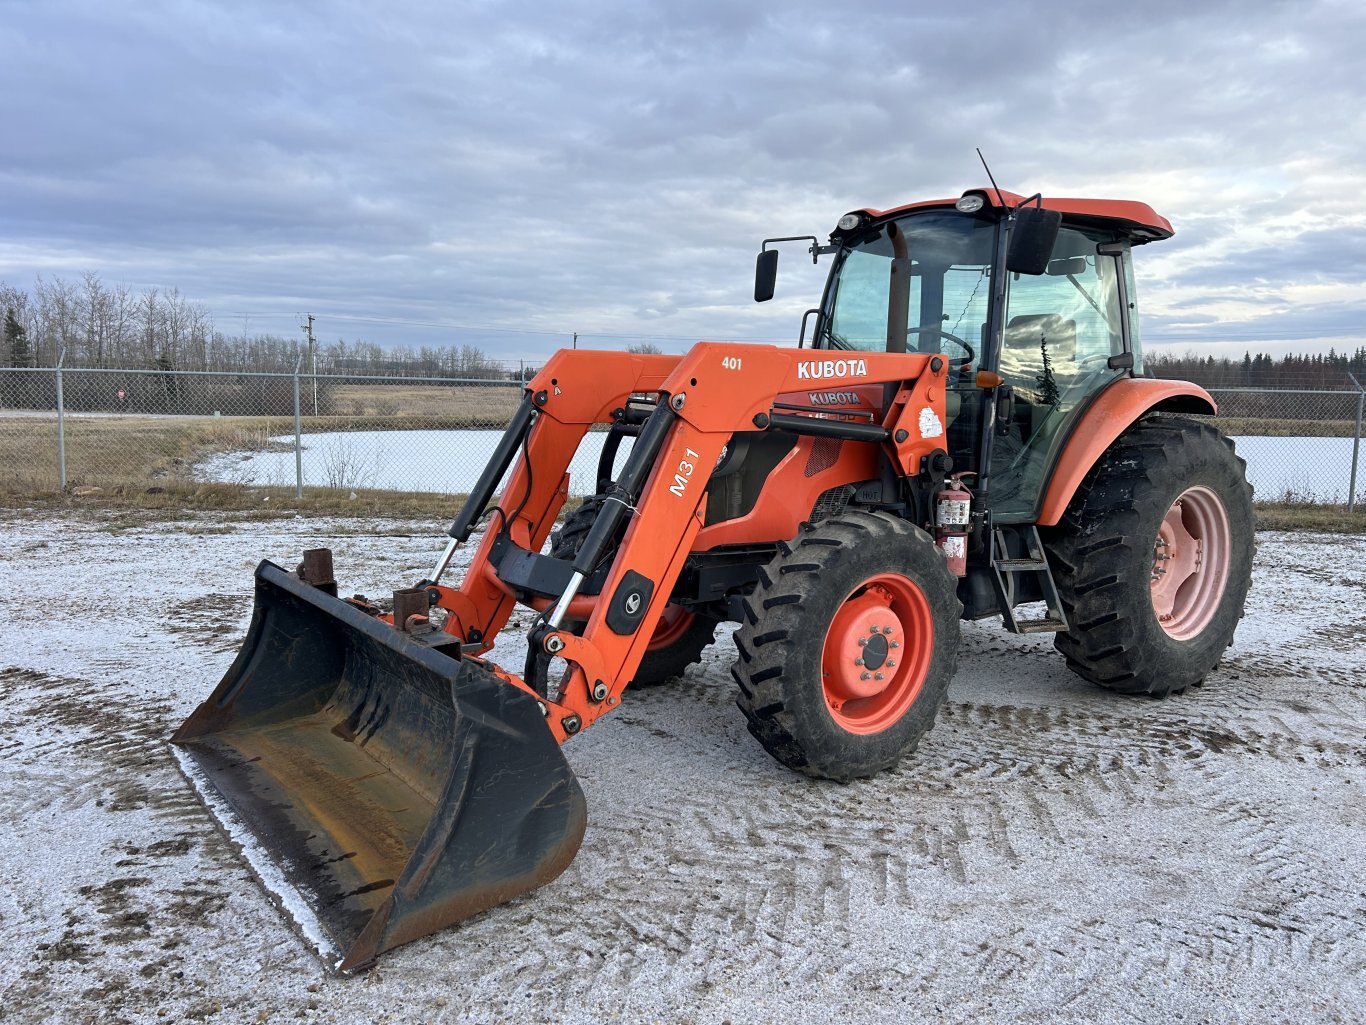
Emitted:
<point x="967" y="435"/>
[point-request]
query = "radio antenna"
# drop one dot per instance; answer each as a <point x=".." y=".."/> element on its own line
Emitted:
<point x="999" y="198"/>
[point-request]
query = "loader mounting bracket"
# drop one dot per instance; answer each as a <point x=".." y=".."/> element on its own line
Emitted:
<point x="629" y="603"/>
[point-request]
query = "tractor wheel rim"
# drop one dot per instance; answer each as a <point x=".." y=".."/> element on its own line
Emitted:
<point x="877" y="654"/>
<point x="673" y="624"/>
<point x="1190" y="562"/>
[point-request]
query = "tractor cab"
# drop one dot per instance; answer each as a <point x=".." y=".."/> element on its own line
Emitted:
<point x="1031" y="301"/>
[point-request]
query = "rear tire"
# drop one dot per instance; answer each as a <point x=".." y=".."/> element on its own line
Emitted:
<point x="677" y="644"/>
<point x="680" y="637"/>
<point x="1153" y="558"/>
<point x="809" y="653"/>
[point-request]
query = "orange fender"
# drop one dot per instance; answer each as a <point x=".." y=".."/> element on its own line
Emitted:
<point x="1110" y="416"/>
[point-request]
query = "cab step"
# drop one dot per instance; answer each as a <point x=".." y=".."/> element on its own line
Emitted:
<point x="1021" y="574"/>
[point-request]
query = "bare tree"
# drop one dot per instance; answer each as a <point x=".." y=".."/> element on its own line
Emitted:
<point x="57" y="311"/>
<point x="149" y="313"/>
<point x="94" y="313"/>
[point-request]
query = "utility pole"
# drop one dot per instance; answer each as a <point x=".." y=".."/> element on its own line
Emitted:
<point x="312" y="361"/>
<point x="576" y="339"/>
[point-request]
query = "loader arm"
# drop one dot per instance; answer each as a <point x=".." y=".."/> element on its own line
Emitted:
<point x="701" y="400"/>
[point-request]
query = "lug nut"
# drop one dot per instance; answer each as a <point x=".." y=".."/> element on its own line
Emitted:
<point x="886" y="629"/>
<point x="877" y="676"/>
<point x="896" y="644"/>
<point x="862" y="641"/>
<point x="863" y="676"/>
<point x="858" y="661"/>
<point x="891" y="663"/>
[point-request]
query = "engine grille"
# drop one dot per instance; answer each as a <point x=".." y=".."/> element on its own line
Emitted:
<point x="832" y="502"/>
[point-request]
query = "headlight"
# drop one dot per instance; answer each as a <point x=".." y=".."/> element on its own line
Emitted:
<point x="849" y="222"/>
<point x="971" y="203"/>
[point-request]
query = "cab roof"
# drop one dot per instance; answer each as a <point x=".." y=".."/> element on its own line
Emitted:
<point x="1137" y="220"/>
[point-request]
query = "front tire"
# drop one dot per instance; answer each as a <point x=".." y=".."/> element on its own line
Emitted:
<point x="1153" y="558"/>
<point x="848" y="644"/>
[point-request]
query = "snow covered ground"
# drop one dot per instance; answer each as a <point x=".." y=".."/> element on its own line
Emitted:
<point x="1051" y="853"/>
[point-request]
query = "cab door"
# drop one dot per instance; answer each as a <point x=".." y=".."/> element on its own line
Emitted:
<point x="1062" y="330"/>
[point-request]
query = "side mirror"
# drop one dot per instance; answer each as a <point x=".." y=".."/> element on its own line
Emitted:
<point x="765" y="275"/>
<point x="1031" y="239"/>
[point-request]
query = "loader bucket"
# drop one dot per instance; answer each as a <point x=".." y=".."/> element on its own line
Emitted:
<point x="398" y="789"/>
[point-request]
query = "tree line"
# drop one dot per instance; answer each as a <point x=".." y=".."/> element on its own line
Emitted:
<point x="1312" y="372"/>
<point x="90" y="324"/>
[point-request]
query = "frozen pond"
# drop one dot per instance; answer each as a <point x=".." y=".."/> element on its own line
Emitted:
<point x="446" y="462"/>
<point x="1305" y="469"/>
<point x="1299" y="469"/>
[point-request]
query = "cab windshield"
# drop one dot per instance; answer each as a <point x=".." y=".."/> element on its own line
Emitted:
<point x="1060" y="332"/>
<point x="951" y="256"/>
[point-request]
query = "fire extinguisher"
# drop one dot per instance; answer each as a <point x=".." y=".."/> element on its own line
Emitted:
<point x="952" y="522"/>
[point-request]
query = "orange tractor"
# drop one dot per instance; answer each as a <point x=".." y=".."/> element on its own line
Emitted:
<point x="967" y="434"/>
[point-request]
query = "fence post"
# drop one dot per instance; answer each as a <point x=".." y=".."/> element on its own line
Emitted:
<point x="298" y="435"/>
<point x="1356" y="446"/>
<point x="61" y="423"/>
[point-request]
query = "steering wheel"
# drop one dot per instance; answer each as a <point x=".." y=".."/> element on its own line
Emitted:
<point x="934" y="329"/>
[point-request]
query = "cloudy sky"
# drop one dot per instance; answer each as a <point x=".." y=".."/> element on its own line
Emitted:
<point x="508" y="174"/>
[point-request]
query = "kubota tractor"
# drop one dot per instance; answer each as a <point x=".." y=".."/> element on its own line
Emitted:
<point x="966" y="434"/>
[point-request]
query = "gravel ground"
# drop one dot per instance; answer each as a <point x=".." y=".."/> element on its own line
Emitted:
<point x="1051" y="853"/>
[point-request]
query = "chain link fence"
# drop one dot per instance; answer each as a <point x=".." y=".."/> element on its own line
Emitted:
<point x="1301" y="447"/>
<point x="123" y="430"/>
<point x="129" y="430"/>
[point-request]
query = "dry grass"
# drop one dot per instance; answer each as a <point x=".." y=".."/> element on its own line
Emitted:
<point x="1241" y="426"/>
<point x="255" y="503"/>
<point x="112" y="451"/>
<point x="139" y="504"/>
<point x="471" y="405"/>
<point x="1329" y="519"/>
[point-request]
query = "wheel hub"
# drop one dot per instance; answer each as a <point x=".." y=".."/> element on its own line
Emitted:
<point x="1190" y="562"/>
<point x="876" y="653"/>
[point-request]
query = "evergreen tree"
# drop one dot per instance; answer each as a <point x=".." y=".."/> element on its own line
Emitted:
<point x="1048" y="385"/>
<point x="16" y="340"/>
